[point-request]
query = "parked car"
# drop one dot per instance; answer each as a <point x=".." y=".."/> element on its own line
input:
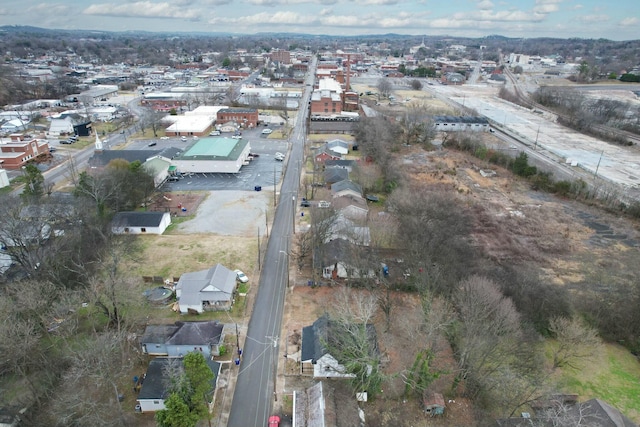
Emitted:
<point x="254" y="155"/>
<point x="152" y="144"/>
<point x="305" y="203"/>
<point x="274" y="421"/>
<point x="266" y="131"/>
<point x="173" y="178"/>
<point x="323" y="204"/>
<point x="241" y="276"/>
<point x="279" y="157"/>
<point x="195" y="137"/>
<point x="164" y="137"/>
<point x="214" y="133"/>
<point x="183" y="138"/>
<point x="52" y="149"/>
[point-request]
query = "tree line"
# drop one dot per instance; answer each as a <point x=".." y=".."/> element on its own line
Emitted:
<point x="68" y="309"/>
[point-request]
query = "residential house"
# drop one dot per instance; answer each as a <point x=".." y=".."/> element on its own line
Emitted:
<point x="14" y="125"/>
<point x="345" y="164"/>
<point x="210" y="289"/>
<point x="335" y="174"/>
<point x="183" y="337"/>
<point x="324" y="333"/>
<point x="346" y="188"/>
<point x="342" y="259"/>
<point x="324" y="154"/>
<point x="351" y="207"/>
<point x="140" y="222"/>
<point x="338" y="146"/>
<point x="154" y="388"/>
<point x="316" y="406"/>
<point x="341" y="227"/>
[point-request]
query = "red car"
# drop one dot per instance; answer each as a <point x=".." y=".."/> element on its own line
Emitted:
<point x="274" y="421"/>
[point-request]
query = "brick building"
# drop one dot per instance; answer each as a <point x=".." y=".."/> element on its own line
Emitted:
<point x="17" y="152"/>
<point x="245" y="117"/>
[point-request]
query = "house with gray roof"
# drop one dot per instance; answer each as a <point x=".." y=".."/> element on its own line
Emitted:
<point x="182" y="337"/>
<point x="335" y="174"/>
<point x="140" y="222"/>
<point x="351" y="207"/>
<point x="346" y="164"/>
<point x="345" y="188"/>
<point x="324" y="333"/>
<point x="154" y="388"/>
<point x="210" y="289"/>
<point x="338" y="146"/>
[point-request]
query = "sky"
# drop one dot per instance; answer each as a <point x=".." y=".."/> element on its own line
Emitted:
<point x="614" y="20"/>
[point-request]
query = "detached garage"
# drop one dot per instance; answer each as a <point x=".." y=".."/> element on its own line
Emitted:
<point x="140" y="222"/>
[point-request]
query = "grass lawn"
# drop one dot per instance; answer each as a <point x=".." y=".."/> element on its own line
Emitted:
<point x="614" y="376"/>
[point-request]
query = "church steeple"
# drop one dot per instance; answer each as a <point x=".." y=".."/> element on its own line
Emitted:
<point x="98" y="143"/>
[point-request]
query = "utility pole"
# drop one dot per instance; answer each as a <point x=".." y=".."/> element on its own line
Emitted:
<point x="293" y="207"/>
<point x="536" y="143"/>
<point x="275" y="365"/>
<point x="274" y="186"/>
<point x="598" y="167"/>
<point x="258" y="248"/>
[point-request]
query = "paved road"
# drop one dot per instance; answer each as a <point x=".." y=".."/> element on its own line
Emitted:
<point x="255" y="388"/>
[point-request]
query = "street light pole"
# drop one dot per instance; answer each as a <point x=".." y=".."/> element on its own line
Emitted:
<point x="293" y="207"/>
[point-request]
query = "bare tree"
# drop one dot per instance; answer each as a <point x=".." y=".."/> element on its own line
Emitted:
<point x="575" y="342"/>
<point x="489" y="336"/>
<point x="433" y="230"/>
<point x="352" y="339"/>
<point x="90" y="390"/>
<point x="384" y="87"/>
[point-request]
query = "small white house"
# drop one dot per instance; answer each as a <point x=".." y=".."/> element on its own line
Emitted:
<point x="140" y="222"/>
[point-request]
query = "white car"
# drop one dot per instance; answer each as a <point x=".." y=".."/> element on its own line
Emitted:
<point x="241" y="276"/>
<point x="279" y="157"/>
<point x="183" y="138"/>
<point x="236" y="136"/>
<point x="214" y="133"/>
<point x="266" y="131"/>
<point x="323" y="204"/>
<point x="164" y="138"/>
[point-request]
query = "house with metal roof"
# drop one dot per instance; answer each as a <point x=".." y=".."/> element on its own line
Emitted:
<point x="209" y="290"/>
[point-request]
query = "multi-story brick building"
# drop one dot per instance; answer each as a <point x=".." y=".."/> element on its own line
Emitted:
<point x="326" y="100"/>
<point x="245" y="117"/>
<point x="17" y="152"/>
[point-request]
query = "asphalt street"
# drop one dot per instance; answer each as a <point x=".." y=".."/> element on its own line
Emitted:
<point x="255" y="389"/>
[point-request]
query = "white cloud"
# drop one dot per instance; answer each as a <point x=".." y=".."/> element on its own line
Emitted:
<point x="50" y="9"/>
<point x="546" y="8"/>
<point x="485" y="5"/>
<point x="326" y="11"/>
<point x="142" y="9"/>
<point x="590" y="19"/>
<point x="631" y="21"/>
<point x="376" y="2"/>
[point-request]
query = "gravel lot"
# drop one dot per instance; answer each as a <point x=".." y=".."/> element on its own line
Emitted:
<point x="230" y="213"/>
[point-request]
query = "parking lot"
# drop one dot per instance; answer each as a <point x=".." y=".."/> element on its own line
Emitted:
<point x="263" y="171"/>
